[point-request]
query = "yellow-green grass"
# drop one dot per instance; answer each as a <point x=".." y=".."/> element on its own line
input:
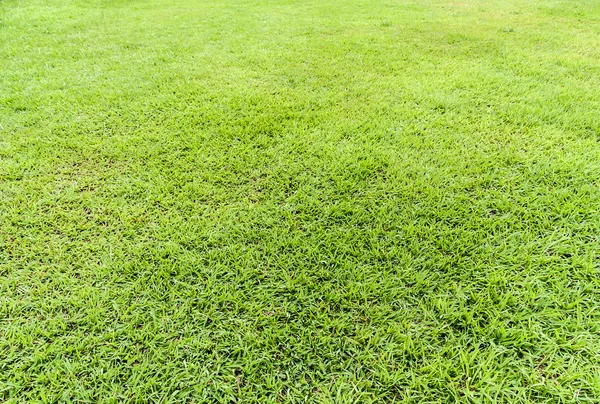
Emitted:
<point x="299" y="201"/>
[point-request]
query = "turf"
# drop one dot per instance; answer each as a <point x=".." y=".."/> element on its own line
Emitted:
<point x="284" y="201"/>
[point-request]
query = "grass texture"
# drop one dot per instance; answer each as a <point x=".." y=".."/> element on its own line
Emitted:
<point x="342" y="201"/>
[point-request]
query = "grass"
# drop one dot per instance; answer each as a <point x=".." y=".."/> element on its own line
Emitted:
<point x="284" y="201"/>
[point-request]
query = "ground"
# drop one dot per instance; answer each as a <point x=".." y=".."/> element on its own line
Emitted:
<point x="299" y="201"/>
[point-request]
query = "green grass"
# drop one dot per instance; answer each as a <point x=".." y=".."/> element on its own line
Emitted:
<point x="299" y="201"/>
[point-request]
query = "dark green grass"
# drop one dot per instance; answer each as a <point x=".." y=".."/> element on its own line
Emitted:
<point x="279" y="201"/>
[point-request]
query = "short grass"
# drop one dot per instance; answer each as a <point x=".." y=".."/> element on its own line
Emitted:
<point x="299" y="201"/>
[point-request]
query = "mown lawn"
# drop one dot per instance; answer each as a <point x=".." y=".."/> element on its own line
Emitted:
<point x="299" y="201"/>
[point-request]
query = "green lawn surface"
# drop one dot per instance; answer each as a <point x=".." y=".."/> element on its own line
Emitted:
<point x="341" y="201"/>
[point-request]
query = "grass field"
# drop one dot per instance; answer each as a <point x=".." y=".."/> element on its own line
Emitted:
<point x="285" y="201"/>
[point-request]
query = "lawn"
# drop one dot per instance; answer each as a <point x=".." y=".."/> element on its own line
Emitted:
<point x="299" y="201"/>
